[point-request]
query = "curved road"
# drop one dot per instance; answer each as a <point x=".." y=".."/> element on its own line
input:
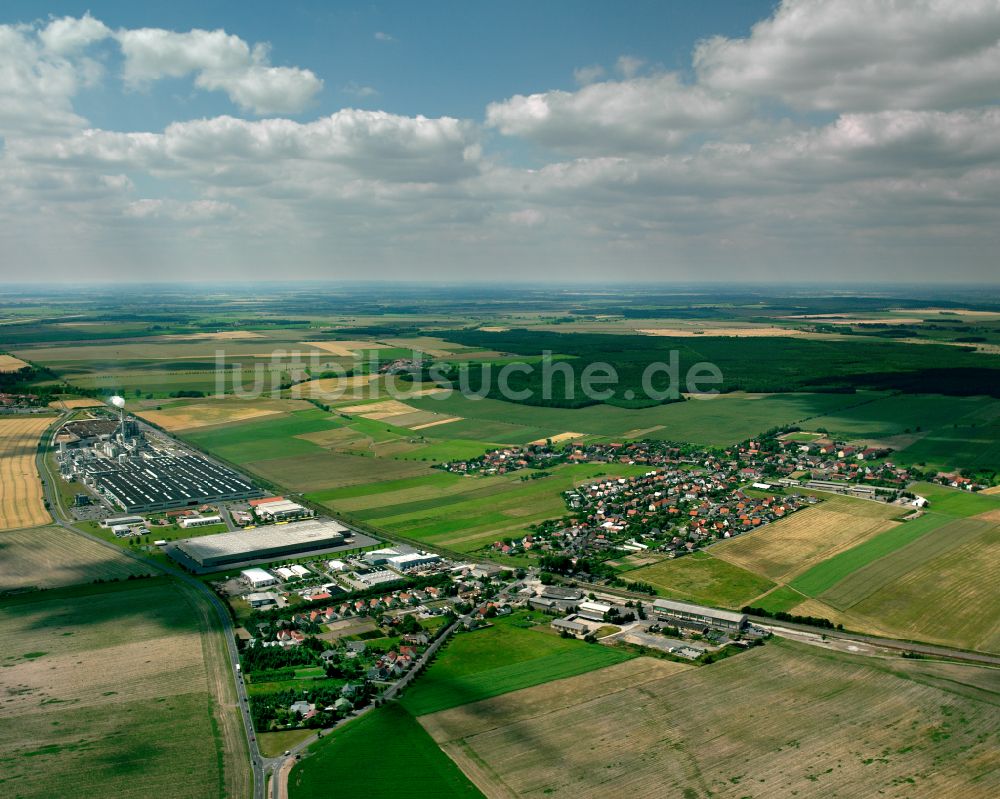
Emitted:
<point x="260" y="766"/>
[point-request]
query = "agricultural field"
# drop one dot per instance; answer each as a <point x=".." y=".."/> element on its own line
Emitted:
<point x="8" y="363"/>
<point x="788" y="546"/>
<point x="51" y="557"/>
<point x="839" y="726"/>
<point x="507" y="656"/>
<point x="412" y="765"/>
<point x="21" y="501"/>
<point x="465" y="514"/>
<point x="116" y="690"/>
<point x="183" y="416"/>
<point x="699" y="577"/>
<point x="719" y="420"/>
<point x="952" y="502"/>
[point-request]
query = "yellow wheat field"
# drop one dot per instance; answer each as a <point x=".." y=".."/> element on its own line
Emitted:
<point x="20" y="487"/>
<point x="8" y="363"/>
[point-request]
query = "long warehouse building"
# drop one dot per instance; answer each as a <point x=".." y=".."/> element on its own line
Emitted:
<point x="272" y="542"/>
<point x="143" y="484"/>
<point x="698" y="616"/>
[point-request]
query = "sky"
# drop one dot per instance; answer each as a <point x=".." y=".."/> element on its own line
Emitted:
<point x="564" y="141"/>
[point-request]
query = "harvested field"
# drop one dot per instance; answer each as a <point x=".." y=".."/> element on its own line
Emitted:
<point x="50" y="557"/>
<point x="345" y="349"/>
<point x="446" y="420"/>
<point x="385" y="409"/>
<point x="71" y="404"/>
<point x="8" y="363"/>
<point x="838" y="726"/>
<point x="559" y="438"/>
<point x="788" y="547"/>
<point x="539" y="700"/>
<point x="217" y="412"/>
<point x="107" y="692"/>
<point x="952" y="598"/>
<point x="21" y="502"/>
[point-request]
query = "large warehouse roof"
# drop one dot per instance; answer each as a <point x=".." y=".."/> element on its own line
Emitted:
<point x="698" y="610"/>
<point x="262" y="541"/>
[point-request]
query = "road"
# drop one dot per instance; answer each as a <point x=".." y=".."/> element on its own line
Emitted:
<point x="259" y="765"/>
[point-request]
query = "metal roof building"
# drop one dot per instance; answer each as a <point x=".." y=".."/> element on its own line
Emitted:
<point x="264" y="542"/>
<point x="687" y="613"/>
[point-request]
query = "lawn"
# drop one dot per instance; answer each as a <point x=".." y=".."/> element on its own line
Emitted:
<point x="505" y="657"/>
<point x="702" y="578"/>
<point x="781" y="599"/>
<point x="385" y="753"/>
<point x="829" y="572"/>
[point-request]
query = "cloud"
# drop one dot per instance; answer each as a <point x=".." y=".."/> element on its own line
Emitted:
<point x="68" y="35"/>
<point x="641" y="114"/>
<point x="382" y="36"/>
<point x="220" y="61"/>
<point x="527" y="217"/>
<point x="863" y="55"/>
<point x="193" y="211"/>
<point x="628" y="66"/>
<point x="586" y="75"/>
<point x="371" y="144"/>
<point x="359" y="91"/>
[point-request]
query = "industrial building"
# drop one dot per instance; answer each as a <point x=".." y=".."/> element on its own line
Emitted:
<point x="413" y="560"/>
<point x="684" y="613"/>
<point x="258" y="578"/>
<point x="569" y="626"/>
<point x="278" y="509"/>
<point x="593" y="611"/>
<point x="159" y="480"/>
<point x="262" y="543"/>
<point x="200" y="521"/>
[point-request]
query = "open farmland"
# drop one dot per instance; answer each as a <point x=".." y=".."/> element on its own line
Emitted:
<point x="207" y="413"/>
<point x="8" y="363"/>
<point x="112" y="691"/>
<point x="702" y="578"/>
<point x="717" y="421"/>
<point x="839" y="726"/>
<point x="506" y="656"/>
<point x="414" y="766"/>
<point x="942" y="587"/>
<point x="474" y="512"/>
<point x="788" y="546"/>
<point x="21" y="502"/>
<point x="50" y="557"/>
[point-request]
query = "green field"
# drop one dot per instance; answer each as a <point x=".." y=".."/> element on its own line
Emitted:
<point x="721" y="421"/>
<point x="702" y="578"/>
<point x="505" y="657"/>
<point x="828" y="573"/>
<point x="267" y="438"/>
<point x="407" y="762"/>
<point x="467" y="513"/>
<point x="781" y="600"/>
<point x="952" y="502"/>
<point x="108" y="694"/>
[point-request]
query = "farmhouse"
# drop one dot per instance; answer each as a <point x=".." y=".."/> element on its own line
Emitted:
<point x="258" y="578"/>
<point x="698" y="616"/>
<point x="262" y="543"/>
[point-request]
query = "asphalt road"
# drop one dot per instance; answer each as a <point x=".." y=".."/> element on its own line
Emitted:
<point x="260" y="766"/>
